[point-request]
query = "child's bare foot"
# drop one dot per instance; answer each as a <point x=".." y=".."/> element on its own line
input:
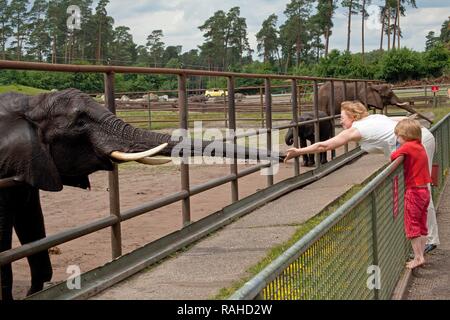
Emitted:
<point x="415" y="263"/>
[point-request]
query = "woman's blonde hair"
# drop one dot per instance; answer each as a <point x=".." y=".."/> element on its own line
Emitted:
<point x="354" y="109"/>
<point x="409" y="129"/>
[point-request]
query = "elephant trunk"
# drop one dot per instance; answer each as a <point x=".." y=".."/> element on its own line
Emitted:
<point x="289" y="137"/>
<point x="136" y="140"/>
<point x="405" y="106"/>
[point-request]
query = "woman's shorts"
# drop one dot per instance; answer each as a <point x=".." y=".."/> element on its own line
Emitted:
<point x="416" y="205"/>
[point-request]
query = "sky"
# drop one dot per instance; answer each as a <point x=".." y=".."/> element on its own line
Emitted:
<point x="180" y="19"/>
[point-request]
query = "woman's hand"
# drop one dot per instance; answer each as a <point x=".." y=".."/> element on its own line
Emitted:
<point x="292" y="153"/>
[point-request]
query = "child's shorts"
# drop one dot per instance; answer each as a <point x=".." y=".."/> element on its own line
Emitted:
<point x="417" y="200"/>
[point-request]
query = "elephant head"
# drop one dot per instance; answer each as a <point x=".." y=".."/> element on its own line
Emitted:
<point x="382" y="95"/>
<point x="59" y="138"/>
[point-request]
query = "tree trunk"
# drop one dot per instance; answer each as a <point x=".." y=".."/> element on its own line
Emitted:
<point x="398" y="24"/>
<point x="99" y="43"/>
<point x="54" y="50"/>
<point x="395" y="29"/>
<point x="327" y="39"/>
<point x="388" y="10"/>
<point x="383" y="19"/>
<point x="349" y="24"/>
<point x="362" y="27"/>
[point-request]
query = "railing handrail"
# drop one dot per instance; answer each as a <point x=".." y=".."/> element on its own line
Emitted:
<point x="38" y="66"/>
<point x="251" y="289"/>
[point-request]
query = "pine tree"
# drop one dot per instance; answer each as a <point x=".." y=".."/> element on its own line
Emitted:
<point x="298" y="13"/>
<point x="155" y="47"/>
<point x="39" y="39"/>
<point x="5" y="26"/>
<point x="19" y="24"/>
<point x="324" y="17"/>
<point x="268" y="40"/>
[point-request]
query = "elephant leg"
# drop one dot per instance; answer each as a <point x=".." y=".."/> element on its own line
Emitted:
<point x="6" y="225"/>
<point x="311" y="157"/>
<point x="305" y="156"/>
<point x="29" y="227"/>
<point x="323" y="157"/>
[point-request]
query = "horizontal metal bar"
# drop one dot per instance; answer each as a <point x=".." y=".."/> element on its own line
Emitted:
<point x="53" y="240"/>
<point x="211" y="184"/>
<point x="291" y="125"/>
<point x="247" y="171"/>
<point x="146" y="207"/>
<point x="4" y="64"/>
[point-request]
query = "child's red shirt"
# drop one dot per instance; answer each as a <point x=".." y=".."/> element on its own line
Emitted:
<point x="415" y="165"/>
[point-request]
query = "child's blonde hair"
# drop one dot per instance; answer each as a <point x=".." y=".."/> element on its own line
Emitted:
<point x="354" y="109"/>
<point x="409" y="129"/>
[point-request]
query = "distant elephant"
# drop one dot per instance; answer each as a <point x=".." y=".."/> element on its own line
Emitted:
<point x="56" y="139"/>
<point x="378" y="96"/>
<point x="306" y="132"/>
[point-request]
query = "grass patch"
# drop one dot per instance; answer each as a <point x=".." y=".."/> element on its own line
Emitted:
<point x="301" y="231"/>
<point x="21" y="89"/>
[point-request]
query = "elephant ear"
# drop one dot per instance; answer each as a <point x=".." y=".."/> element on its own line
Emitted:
<point x="374" y="97"/>
<point x="23" y="154"/>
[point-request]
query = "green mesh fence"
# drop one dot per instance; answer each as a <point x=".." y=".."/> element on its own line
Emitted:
<point x="358" y="252"/>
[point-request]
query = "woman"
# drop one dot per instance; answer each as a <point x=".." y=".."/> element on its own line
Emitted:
<point x="375" y="133"/>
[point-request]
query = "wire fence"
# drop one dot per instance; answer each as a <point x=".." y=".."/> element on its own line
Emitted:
<point x="359" y="251"/>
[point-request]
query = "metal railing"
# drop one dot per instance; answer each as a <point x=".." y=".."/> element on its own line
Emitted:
<point x="362" y="240"/>
<point x="116" y="216"/>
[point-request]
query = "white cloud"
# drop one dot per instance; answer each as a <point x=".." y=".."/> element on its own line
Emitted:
<point x="180" y="19"/>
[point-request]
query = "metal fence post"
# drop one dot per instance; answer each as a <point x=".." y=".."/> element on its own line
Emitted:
<point x="149" y="112"/>
<point x="232" y="132"/>
<point x="374" y="238"/>
<point x="316" y="123"/>
<point x="184" y="166"/>
<point x="114" y="194"/>
<point x="261" y="99"/>
<point x="332" y="110"/>
<point x="268" y="105"/>
<point x="295" y="120"/>
<point x="345" y="99"/>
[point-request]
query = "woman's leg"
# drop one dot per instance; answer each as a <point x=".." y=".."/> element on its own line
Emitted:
<point x="429" y="143"/>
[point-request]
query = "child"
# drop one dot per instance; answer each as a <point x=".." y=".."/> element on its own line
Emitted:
<point x="417" y="195"/>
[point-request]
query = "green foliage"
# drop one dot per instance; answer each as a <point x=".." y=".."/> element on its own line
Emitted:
<point x="436" y="60"/>
<point x="401" y="64"/>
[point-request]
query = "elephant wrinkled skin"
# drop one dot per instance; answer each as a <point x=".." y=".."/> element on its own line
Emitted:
<point x="378" y="97"/>
<point x="306" y="132"/>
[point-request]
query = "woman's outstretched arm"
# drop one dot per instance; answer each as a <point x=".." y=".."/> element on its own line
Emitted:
<point x="344" y="137"/>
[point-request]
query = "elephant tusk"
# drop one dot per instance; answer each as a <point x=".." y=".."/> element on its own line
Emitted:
<point x="402" y="103"/>
<point x="154" y="160"/>
<point x="123" y="156"/>
<point x="11" y="182"/>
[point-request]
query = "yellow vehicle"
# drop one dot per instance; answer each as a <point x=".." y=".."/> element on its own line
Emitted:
<point x="215" y="93"/>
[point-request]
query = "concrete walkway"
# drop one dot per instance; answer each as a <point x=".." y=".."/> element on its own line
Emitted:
<point x="432" y="282"/>
<point x="221" y="259"/>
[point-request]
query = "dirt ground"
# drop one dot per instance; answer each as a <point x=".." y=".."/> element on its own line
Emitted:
<point x="74" y="207"/>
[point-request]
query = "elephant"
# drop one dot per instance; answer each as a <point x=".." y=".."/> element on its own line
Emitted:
<point x="378" y="96"/>
<point x="306" y="132"/>
<point x="60" y="138"/>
